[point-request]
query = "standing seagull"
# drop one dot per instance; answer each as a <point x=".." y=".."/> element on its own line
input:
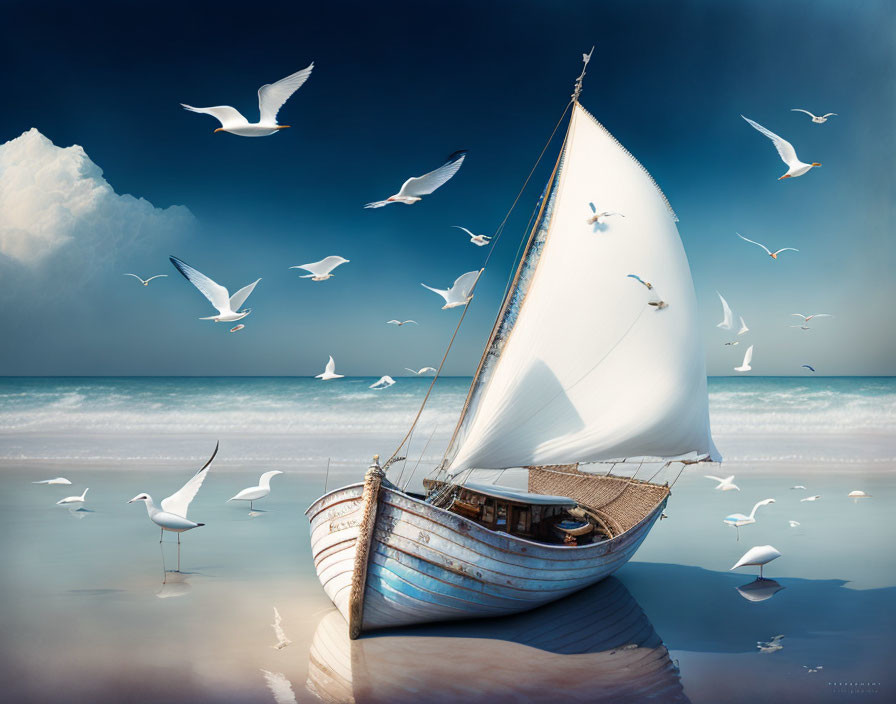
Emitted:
<point x="773" y="255"/>
<point x="271" y="97"/>
<point x="727" y="315"/>
<point x="145" y="282"/>
<point x="817" y="119"/>
<point x="217" y="295"/>
<point x="254" y="493"/>
<point x="460" y="293"/>
<point x="57" y="480"/>
<point x="329" y="371"/>
<point x="760" y="555"/>
<point x="738" y="519"/>
<point x="416" y="187"/>
<point x="795" y="167"/>
<point x="748" y="358"/>
<point x="726" y="484"/>
<point x="320" y="271"/>
<point x="70" y="500"/>
<point x="173" y="514"/>
<point x="478" y="240"/>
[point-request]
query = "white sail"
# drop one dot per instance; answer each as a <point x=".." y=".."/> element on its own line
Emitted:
<point x="580" y="367"/>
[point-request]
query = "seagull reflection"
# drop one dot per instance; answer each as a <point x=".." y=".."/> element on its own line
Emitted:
<point x="79" y="513"/>
<point x="759" y="589"/>
<point x="175" y="584"/>
<point x="280" y="687"/>
<point x="595" y="646"/>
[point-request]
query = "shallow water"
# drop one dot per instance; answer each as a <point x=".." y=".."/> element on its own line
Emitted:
<point x="90" y="614"/>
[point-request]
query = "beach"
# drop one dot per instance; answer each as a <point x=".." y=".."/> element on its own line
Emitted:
<point x="94" y="607"/>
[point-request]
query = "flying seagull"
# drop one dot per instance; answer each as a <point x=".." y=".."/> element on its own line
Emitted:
<point x="219" y="297"/>
<point x="773" y="255"/>
<point x="478" y="240"/>
<point x="57" y="480"/>
<point x="423" y="370"/>
<point x="329" y="371"/>
<point x="658" y="303"/>
<point x="738" y="519"/>
<point x="817" y="119"/>
<point x="808" y="366"/>
<point x="69" y="500"/>
<point x="172" y="516"/>
<point x="743" y="326"/>
<point x="807" y="318"/>
<point x="798" y="486"/>
<point x="282" y="640"/>
<point x="811" y="498"/>
<point x="399" y="323"/>
<point x="641" y="281"/>
<point x="384" y="383"/>
<point x="726" y="484"/>
<point x="254" y="493"/>
<point x="597" y="217"/>
<point x="271" y="97"/>
<point x="416" y="187"/>
<point x="772" y="645"/>
<point x="145" y="282"/>
<point x="727" y="316"/>
<point x="460" y="293"/>
<point x="320" y="271"/>
<point x="794" y="524"/>
<point x="748" y="357"/>
<point x="795" y="167"/>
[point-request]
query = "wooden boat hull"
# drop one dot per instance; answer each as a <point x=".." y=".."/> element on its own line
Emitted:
<point x="426" y="564"/>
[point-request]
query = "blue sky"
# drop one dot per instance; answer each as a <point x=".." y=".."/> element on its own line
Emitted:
<point x="396" y="88"/>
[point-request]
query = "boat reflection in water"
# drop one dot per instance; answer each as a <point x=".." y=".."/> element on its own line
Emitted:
<point x="759" y="589"/>
<point x="595" y="646"/>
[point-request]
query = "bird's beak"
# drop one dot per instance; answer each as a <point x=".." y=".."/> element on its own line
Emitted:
<point x="282" y="127"/>
<point x="220" y="129"/>
<point x="815" y="163"/>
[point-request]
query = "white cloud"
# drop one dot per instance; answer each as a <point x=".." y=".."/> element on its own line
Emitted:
<point x="55" y="200"/>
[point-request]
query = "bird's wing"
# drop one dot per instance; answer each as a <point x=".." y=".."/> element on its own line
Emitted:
<point x="820" y="315"/>
<point x="464" y="284"/>
<point x="327" y="264"/>
<point x="393" y="322"/>
<point x="801" y="110"/>
<point x="226" y="115"/>
<point x="427" y="369"/>
<point x="215" y="293"/>
<point x="377" y="204"/>
<point x="743" y="327"/>
<point x="271" y="96"/>
<point x="411" y="371"/>
<point x="592" y="206"/>
<point x="786" y="249"/>
<point x="410" y="321"/>
<point x="800" y="315"/>
<point x="237" y="299"/>
<point x="179" y="501"/>
<point x="748" y="357"/>
<point x="726" y="313"/>
<point x="464" y="229"/>
<point x="442" y="292"/>
<point x="830" y="114"/>
<point x="758" y="244"/>
<point x="138" y="278"/>
<point x="717" y="479"/>
<point x="157" y="276"/>
<point x="426" y="184"/>
<point x="785" y="148"/>
<point x="281" y="688"/>
<point x="331" y="366"/>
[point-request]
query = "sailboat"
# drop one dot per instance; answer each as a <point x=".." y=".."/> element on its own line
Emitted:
<point x="595" y="357"/>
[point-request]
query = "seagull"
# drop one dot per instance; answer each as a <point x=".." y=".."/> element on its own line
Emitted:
<point x="172" y="516"/>
<point x="399" y="323"/>
<point x="748" y="357"/>
<point x="329" y="371"/>
<point x="807" y="366"/>
<point x="460" y="293"/>
<point x="145" y="282"/>
<point x="271" y="97"/>
<point x="770" y="646"/>
<point x="423" y="370"/>
<point x="57" y="480"/>
<point x="743" y="326"/>
<point x="384" y="383"/>
<point x="759" y="555"/>
<point x="598" y="216"/>
<point x="811" y="498"/>
<point x="281" y="688"/>
<point x="727" y="316"/>
<point x="69" y="500"/>
<point x="254" y="493"/>
<point x="320" y="271"/>
<point x="416" y="187"/>
<point x="282" y="640"/>
<point x="641" y="281"/>
<point x="798" y="486"/>
<point x="793" y="524"/>
<point x="817" y="119"/>
<point x="858" y="495"/>
<point x="658" y="304"/>
<point x="807" y="318"/>
<point x="773" y="255"/>
<point x="732" y="343"/>
<point x="813" y="669"/>
<point x="219" y="297"/>
<point x="738" y="519"/>
<point x="795" y="167"/>
<point x="726" y="484"/>
<point x="478" y="240"/>
<point x="237" y="328"/>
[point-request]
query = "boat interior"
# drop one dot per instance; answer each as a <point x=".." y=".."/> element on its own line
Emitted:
<point x="590" y="508"/>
